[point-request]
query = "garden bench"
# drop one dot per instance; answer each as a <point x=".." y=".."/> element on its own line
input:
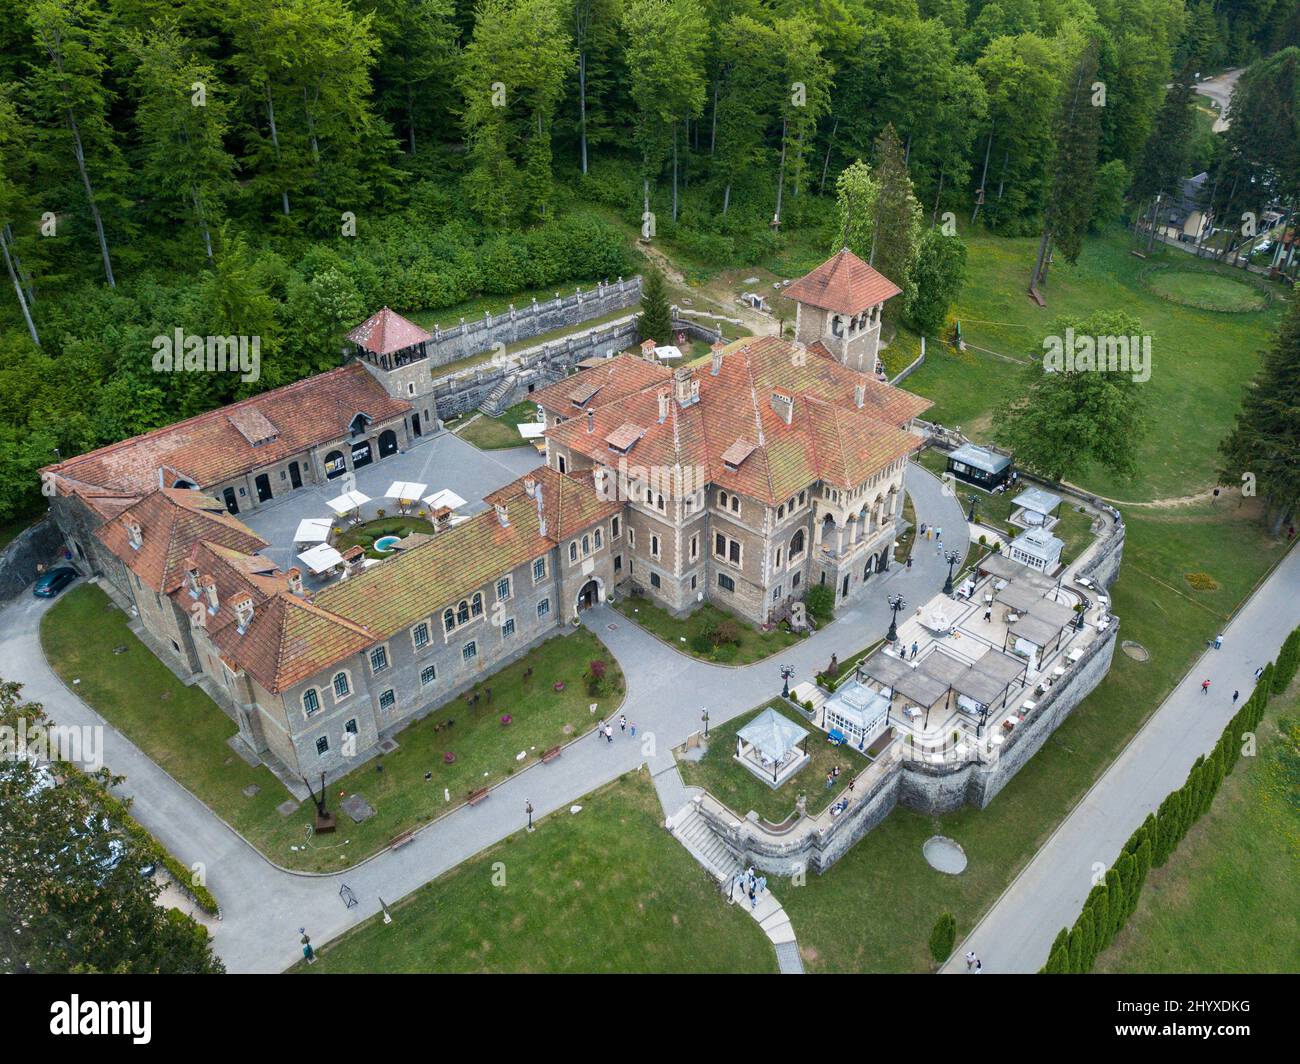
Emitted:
<point x="401" y="840"/>
<point x="476" y="796"/>
<point x="550" y="755"/>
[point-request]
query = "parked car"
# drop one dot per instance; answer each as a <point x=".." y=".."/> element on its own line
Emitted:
<point x="50" y="584"/>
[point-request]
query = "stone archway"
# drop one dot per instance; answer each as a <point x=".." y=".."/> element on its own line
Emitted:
<point x="589" y="594"/>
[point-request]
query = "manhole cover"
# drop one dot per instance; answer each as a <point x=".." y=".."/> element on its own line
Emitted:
<point x="1136" y="651"/>
<point x="287" y="808"/>
<point x="612" y="627"/>
<point x="357" y="808"/>
<point x="387" y="746"/>
<point x="568" y="729"/>
<point x="944" y="855"/>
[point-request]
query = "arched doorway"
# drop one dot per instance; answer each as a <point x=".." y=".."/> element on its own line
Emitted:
<point x="335" y="465"/>
<point x="590" y="594"/>
<point x="387" y="443"/>
<point x="882" y="560"/>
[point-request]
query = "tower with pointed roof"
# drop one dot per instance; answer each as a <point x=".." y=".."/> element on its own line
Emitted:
<point x="393" y="350"/>
<point x="839" y="306"/>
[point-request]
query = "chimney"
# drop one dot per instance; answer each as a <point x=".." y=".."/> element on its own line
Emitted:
<point x="295" y="580"/>
<point x="530" y="486"/>
<point x="716" y="351"/>
<point x="541" y="515"/>
<point x="695" y="390"/>
<point x="663" y="407"/>
<point x="354" y="560"/>
<point x="133" y="534"/>
<point x="591" y="421"/>
<point x="210" y="591"/>
<point x="243" y="611"/>
<point x="648" y="349"/>
<point x="784" y="406"/>
<point x="502" y="514"/>
<point x="192" y="579"/>
<point x="682" y="378"/>
<point x="859" y="395"/>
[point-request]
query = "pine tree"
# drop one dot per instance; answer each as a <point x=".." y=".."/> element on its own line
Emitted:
<point x="1263" y="444"/>
<point x="1070" y="202"/>
<point x="895" y="219"/>
<point x="1165" y="156"/>
<point x="1058" y="957"/>
<point x="655" y="322"/>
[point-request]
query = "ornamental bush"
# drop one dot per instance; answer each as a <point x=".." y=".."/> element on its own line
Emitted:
<point x="943" y="938"/>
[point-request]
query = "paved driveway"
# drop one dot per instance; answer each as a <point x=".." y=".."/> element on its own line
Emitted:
<point x="263" y="905"/>
<point x="1017" y="933"/>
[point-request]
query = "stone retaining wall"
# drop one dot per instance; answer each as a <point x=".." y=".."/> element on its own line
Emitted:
<point x="41" y="544"/>
<point x="474" y="337"/>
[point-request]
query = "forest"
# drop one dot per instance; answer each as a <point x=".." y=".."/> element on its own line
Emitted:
<point x="283" y="169"/>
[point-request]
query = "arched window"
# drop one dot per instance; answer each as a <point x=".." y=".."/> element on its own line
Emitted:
<point x="573" y="552"/>
<point x="722" y="500"/>
<point x="659" y="503"/>
<point x="310" y="701"/>
<point x="796" y="544"/>
<point x="462" y="612"/>
<point x="342" y="688"/>
<point x="586" y="545"/>
<point x="478" y="604"/>
<point x="448" y="620"/>
<point x="597" y="535"/>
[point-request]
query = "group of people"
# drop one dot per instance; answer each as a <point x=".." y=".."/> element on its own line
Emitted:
<point x="605" y="729"/>
<point x="832" y="776"/>
<point x="751" y="885"/>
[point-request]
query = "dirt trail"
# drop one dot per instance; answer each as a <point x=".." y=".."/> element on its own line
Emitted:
<point x="757" y="323"/>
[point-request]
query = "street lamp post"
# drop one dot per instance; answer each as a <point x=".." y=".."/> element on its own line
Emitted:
<point x="896" y="603"/>
<point x="973" y="499"/>
<point x="704" y="716"/>
<point x="786" y="672"/>
<point x="951" y="557"/>
<point x="528" y="808"/>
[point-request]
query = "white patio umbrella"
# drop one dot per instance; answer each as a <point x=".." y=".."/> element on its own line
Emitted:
<point x="406" y="492"/>
<point x="349" y="502"/>
<point x="320" y="558"/>
<point x="313" y="530"/>
<point x="446" y="497"/>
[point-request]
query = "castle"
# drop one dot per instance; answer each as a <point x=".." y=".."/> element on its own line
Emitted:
<point x="777" y="466"/>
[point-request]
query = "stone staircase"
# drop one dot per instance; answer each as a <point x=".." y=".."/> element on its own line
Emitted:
<point x="693" y="832"/>
<point x="499" y="397"/>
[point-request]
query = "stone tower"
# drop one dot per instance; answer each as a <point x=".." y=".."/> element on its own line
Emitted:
<point x="393" y="350"/>
<point x="839" y="306"/>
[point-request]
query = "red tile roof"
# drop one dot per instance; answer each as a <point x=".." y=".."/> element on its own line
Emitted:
<point x="172" y="522"/>
<point x="829" y="437"/>
<point x="614" y="379"/>
<point x="215" y="447"/>
<point x="844" y="284"/>
<point x="387" y="331"/>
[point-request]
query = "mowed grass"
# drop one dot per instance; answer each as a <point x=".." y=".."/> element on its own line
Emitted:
<point x="496" y="433"/>
<point x="1201" y="360"/>
<point x="1208" y="291"/>
<point x="186" y="733"/>
<point x="1228" y="900"/>
<point x="754" y="644"/>
<point x="606" y="890"/>
<point x="1157" y="608"/>
<point x="740" y="790"/>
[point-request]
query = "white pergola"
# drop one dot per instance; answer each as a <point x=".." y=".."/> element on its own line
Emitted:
<point x="313" y="530"/>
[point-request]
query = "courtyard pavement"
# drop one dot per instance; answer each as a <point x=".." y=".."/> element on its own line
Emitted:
<point x="1016" y="934"/>
<point x="440" y="461"/>
<point x="264" y="905"/>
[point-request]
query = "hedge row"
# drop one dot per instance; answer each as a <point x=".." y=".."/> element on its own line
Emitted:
<point x="1111" y="902"/>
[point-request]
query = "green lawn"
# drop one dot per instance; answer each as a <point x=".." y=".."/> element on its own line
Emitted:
<point x="741" y="791"/>
<point x="366" y="534"/>
<point x="1229" y="898"/>
<point x="495" y="433"/>
<point x="185" y="732"/>
<point x="606" y="890"/>
<point x="1201" y="360"/>
<point x="1158" y="609"/>
<point x="687" y="633"/>
<point x="1207" y="291"/>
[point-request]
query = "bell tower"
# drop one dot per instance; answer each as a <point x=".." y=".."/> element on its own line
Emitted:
<point x="839" y="305"/>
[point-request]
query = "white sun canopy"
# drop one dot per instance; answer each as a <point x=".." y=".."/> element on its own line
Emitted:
<point x="406" y="489"/>
<point x="349" y="500"/>
<point x="313" y="530"/>
<point x="446" y="497"/>
<point x="320" y="558"/>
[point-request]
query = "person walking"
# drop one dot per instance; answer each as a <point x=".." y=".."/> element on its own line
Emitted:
<point x="970" y="959"/>
<point x="830" y="781"/>
<point x="622" y="723"/>
<point x="1235" y="695"/>
<point x="988" y="613"/>
<point x="909" y="561"/>
<point x="979" y="967"/>
<point x="1205" y="687"/>
<point x="609" y="734"/>
<point x="1218" y="641"/>
<point x="633" y="727"/>
<point x="915" y="648"/>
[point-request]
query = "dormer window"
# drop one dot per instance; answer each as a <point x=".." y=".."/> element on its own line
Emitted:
<point x="359" y="425"/>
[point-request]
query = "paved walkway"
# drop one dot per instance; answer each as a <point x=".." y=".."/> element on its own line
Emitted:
<point x="263" y="905"/>
<point x="1017" y="933"/>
